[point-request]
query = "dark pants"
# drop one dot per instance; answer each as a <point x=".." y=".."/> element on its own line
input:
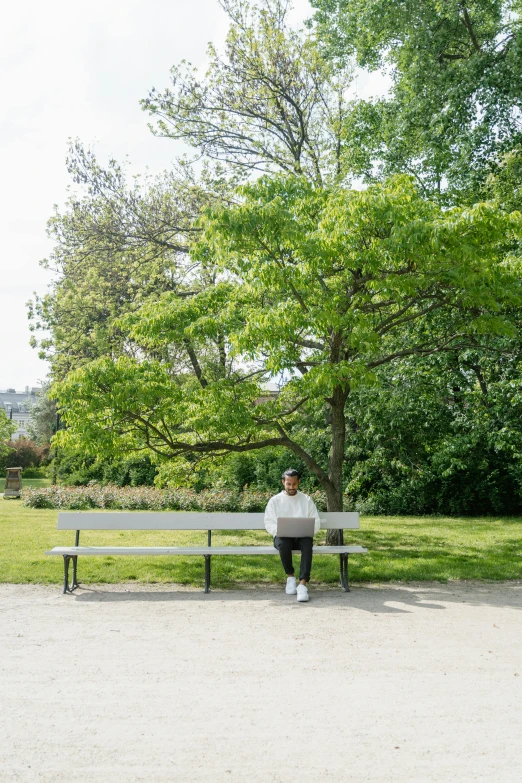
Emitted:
<point x="285" y="546"/>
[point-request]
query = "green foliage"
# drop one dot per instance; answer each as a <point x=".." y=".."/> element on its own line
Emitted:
<point x="114" y="247"/>
<point x="440" y="436"/>
<point x="148" y="498"/>
<point x="7" y="427"/>
<point x="43" y="422"/>
<point x="382" y="272"/>
<point x="77" y="468"/>
<point x="457" y="86"/>
<point x="321" y="287"/>
<point x="269" y="102"/>
<point x="258" y="470"/>
<point x="505" y="181"/>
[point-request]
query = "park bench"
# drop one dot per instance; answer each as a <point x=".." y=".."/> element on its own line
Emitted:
<point x="154" y="520"/>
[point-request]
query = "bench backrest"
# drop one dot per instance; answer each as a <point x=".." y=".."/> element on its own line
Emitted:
<point x="194" y="520"/>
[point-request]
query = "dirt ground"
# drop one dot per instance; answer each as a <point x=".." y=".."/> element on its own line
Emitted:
<point x="390" y="683"/>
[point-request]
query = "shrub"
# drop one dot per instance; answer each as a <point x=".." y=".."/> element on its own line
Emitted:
<point x="77" y="469"/>
<point x="34" y="473"/>
<point x="149" y="498"/>
<point x="24" y="453"/>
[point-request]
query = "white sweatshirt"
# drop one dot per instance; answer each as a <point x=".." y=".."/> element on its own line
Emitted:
<point x="283" y="505"/>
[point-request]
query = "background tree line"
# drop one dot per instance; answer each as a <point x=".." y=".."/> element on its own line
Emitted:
<point x="388" y="315"/>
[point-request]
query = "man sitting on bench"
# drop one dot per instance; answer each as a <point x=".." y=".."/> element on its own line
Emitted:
<point x="292" y="503"/>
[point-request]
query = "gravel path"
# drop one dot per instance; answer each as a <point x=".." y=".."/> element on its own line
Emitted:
<point x="122" y="684"/>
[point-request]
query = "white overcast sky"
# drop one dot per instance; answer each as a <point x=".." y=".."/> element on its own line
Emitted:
<point x="71" y="70"/>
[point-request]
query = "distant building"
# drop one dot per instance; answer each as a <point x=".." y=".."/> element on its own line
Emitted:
<point x="17" y="407"/>
<point x="270" y="392"/>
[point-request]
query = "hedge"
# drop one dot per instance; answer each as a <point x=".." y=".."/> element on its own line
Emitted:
<point x="111" y="496"/>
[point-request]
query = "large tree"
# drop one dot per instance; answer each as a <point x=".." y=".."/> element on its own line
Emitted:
<point x="318" y="287"/>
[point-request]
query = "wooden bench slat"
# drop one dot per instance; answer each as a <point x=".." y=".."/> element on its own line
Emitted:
<point x="194" y="550"/>
<point x="181" y="520"/>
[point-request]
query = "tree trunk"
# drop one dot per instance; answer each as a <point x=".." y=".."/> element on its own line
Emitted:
<point x="334" y="492"/>
<point x="332" y="482"/>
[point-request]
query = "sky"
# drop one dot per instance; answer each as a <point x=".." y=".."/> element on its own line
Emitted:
<point x="78" y="70"/>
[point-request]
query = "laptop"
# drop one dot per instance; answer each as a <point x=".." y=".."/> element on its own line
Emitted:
<point x="295" y="527"/>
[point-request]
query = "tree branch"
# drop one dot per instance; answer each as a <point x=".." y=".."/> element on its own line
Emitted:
<point x="469" y="28"/>
<point x="195" y="363"/>
<point x="305" y="456"/>
<point x="417" y="350"/>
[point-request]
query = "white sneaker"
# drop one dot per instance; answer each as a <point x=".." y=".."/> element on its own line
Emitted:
<point x="302" y="593"/>
<point x="291" y="588"/>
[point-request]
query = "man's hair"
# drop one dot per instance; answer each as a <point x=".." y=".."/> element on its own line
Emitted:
<point x="291" y="472"/>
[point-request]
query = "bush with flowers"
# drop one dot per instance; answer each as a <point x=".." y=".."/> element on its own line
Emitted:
<point x="111" y="496"/>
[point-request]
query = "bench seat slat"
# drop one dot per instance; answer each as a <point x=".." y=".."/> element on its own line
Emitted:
<point x="180" y="520"/>
<point x="199" y="550"/>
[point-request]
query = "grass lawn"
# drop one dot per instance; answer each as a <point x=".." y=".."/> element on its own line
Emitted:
<point x="400" y="549"/>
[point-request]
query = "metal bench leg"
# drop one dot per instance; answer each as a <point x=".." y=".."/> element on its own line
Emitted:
<point x="207" y="573"/>
<point x="70" y="587"/>
<point x="75" y="582"/>
<point x="343" y="571"/>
